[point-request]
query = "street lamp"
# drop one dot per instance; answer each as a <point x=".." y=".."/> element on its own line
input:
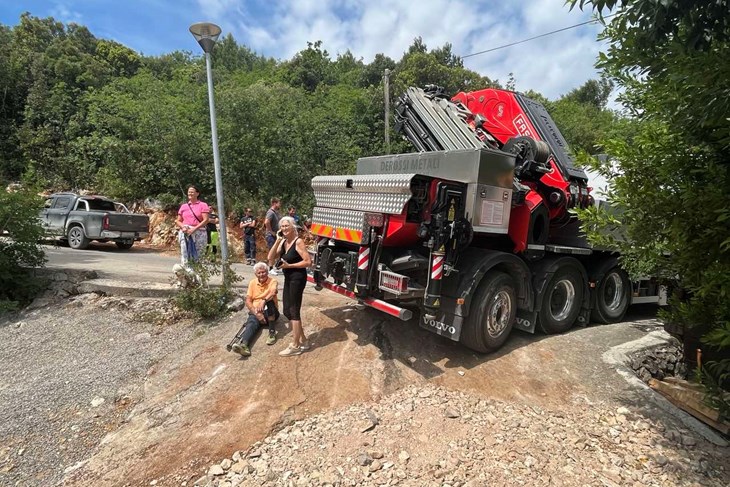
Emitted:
<point x="206" y="34"/>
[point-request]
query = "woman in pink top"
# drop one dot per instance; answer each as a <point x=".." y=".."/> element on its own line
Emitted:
<point x="192" y="219"/>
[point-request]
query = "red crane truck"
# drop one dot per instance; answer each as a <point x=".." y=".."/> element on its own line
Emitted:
<point x="473" y="233"/>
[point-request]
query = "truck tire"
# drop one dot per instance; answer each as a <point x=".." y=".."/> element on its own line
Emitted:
<point x="562" y="300"/>
<point x="76" y="238"/>
<point x="125" y="245"/>
<point x="491" y="318"/>
<point x="613" y="296"/>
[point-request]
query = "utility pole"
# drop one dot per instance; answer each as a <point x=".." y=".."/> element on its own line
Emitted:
<point x="386" y="89"/>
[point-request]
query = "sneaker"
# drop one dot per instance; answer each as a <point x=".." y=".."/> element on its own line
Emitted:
<point x="290" y="351"/>
<point x="272" y="339"/>
<point x="305" y="346"/>
<point x="241" y="349"/>
<point x="273" y="272"/>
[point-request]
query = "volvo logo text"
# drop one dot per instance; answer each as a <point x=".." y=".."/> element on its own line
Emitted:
<point x="439" y="326"/>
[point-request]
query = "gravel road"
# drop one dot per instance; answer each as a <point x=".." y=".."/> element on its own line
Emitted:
<point x="69" y="374"/>
<point x="430" y="436"/>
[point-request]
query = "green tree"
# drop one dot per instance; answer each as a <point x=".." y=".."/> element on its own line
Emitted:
<point x="309" y="68"/>
<point x="583" y="118"/>
<point x="19" y="253"/>
<point x="441" y="67"/>
<point x="672" y="178"/>
<point x="372" y="74"/>
<point x="148" y="136"/>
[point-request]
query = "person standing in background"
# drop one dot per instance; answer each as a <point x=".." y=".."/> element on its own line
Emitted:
<point x="192" y="218"/>
<point x="292" y="212"/>
<point x="248" y="224"/>
<point x="212" y="230"/>
<point x="271" y="224"/>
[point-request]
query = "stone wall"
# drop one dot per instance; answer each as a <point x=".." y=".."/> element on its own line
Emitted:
<point x="61" y="284"/>
<point x="660" y="362"/>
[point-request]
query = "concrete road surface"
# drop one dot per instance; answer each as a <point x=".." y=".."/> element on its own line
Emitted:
<point x="138" y="264"/>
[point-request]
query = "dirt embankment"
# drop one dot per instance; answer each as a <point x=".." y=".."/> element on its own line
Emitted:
<point x="105" y="391"/>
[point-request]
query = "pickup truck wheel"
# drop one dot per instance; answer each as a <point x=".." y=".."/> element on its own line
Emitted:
<point x="492" y="315"/>
<point x="562" y="300"/>
<point x="76" y="238"/>
<point x="613" y="295"/>
<point x="125" y="245"/>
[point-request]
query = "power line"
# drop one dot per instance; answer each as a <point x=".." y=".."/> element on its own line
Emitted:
<point x="536" y="37"/>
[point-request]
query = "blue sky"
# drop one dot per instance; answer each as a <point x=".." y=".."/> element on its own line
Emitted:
<point x="552" y="65"/>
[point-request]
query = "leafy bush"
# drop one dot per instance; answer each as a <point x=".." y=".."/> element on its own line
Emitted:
<point x="672" y="178"/>
<point x="20" y="231"/>
<point x="205" y="301"/>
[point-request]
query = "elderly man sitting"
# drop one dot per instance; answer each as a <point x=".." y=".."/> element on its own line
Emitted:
<point x="262" y="305"/>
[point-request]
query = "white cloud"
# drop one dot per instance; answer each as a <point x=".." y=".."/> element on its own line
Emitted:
<point x="217" y="8"/>
<point x="62" y="12"/>
<point x="552" y="65"/>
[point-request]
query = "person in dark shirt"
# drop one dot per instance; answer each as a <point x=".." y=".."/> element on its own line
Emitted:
<point x="211" y="229"/>
<point x="271" y="224"/>
<point x="248" y="224"/>
<point x="292" y="212"/>
<point x="291" y="256"/>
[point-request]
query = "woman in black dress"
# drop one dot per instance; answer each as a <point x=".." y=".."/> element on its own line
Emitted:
<point x="290" y="254"/>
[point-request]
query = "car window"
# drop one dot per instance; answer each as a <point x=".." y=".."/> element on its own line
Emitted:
<point x="82" y="205"/>
<point x="101" y="205"/>
<point x="62" y="202"/>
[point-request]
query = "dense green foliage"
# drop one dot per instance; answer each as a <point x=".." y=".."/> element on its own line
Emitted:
<point x="81" y="112"/>
<point x="673" y="176"/>
<point x="78" y="112"/>
<point x="20" y="232"/>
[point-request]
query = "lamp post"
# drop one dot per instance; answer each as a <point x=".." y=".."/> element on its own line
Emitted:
<point x="206" y="34"/>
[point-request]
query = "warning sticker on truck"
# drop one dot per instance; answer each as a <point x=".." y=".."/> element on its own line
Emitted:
<point x="492" y="213"/>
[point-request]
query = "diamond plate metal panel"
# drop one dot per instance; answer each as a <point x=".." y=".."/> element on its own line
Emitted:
<point x="373" y="183"/>
<point x="373" y="193"/>
<point x="373" y="202"/>
<point x="338" y="218"/>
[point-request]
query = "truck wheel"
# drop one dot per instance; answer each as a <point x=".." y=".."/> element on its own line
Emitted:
<point x="493" y="314"/>
<point x="76" y="238"/>
<point x="613" y="295"/>
<point x="562" y="300"/>
<point x="125" y="245"/>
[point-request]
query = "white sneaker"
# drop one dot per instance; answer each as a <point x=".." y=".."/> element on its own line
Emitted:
<point x="290" y="351"/>
<point x="273" y="272"/>
<point x="305" y="346"/>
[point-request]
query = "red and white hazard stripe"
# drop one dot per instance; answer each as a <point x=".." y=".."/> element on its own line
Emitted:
<point x="437" y="267"/>
<point x="363" y="258"/>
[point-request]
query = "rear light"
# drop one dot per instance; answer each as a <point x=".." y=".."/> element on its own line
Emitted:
<point x="374" y="219"/>
<point x="393" y="283"/>
<point x="105" y="222"/>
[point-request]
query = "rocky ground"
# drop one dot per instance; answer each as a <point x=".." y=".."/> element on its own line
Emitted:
<point x="99" y="390"/>
<point x="69" y="373"/>
<point x="430" y="436"/>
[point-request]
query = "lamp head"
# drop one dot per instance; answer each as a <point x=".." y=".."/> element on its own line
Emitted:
<point x="206" y="34"/>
